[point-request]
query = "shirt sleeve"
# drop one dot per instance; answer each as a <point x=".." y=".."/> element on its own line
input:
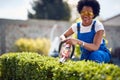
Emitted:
<point x="74" y="27"/>
<point x="98" y="26"/>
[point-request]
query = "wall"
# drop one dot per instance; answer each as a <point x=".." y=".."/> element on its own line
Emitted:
<point x="113" y="35"/>
<point x="112" y="26"/>
<point x="11" y="30"/>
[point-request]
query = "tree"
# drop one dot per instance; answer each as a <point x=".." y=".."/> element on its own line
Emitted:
<point x="50" y="9"/>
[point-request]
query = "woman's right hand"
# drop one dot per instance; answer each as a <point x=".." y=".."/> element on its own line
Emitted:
<point x="62" y="38"/>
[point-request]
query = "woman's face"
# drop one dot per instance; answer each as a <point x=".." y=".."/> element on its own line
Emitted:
<point x="86" y="15"/>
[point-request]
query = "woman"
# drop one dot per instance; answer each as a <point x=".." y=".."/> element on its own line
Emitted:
<point x="90" y="33"/>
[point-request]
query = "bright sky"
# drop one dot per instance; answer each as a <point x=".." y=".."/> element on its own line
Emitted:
<point x="14" y="9"/>
<point x="17" y="9"/>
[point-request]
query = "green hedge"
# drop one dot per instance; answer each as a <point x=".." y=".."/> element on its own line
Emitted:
<point x="32" y="66"/>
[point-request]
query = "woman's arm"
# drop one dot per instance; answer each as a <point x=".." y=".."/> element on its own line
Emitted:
<point x="96" y="42"/>
<point x="67" y="33"/>
<point x="89" y="46"/>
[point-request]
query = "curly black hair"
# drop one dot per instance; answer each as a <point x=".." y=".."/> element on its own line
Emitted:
<point x="91" y="3"/>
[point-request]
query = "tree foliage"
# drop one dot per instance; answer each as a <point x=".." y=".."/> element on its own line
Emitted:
<point x="50" y="9"/>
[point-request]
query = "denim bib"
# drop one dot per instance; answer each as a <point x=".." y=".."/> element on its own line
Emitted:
<point x="89" y="37"/>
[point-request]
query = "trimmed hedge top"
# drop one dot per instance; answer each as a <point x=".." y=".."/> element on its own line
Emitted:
<point x="32" y="66"/>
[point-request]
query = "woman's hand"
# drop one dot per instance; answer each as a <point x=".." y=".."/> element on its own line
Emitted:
<point x="73" y="41"/>
<point x="62" y="38"/>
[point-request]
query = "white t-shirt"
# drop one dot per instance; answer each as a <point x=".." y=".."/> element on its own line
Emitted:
<point x="85" y="29"/>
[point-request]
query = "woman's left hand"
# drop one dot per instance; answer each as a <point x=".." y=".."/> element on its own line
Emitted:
<point x="73" y="41"/>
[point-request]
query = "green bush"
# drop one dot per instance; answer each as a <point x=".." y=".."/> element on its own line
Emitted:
<point x="32" y="66"/>
<point x="39" y="45"/>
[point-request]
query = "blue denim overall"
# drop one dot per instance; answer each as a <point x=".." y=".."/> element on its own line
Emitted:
<point x="100" y="55"/>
